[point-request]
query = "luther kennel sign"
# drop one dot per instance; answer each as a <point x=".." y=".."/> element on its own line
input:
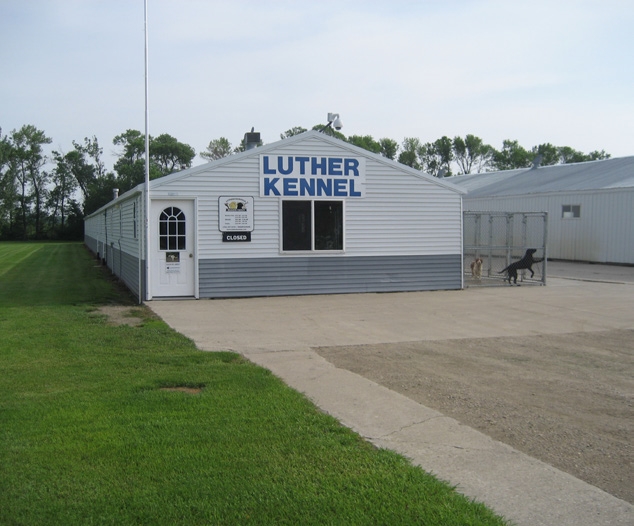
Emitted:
<point x="235" y="214"/>
<point x="304" y="176"/>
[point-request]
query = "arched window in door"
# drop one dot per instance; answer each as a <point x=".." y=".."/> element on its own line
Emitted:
<point x="172" y="229"/>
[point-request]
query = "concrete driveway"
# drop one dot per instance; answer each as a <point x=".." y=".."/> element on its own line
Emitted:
<point x="280" y="334"/>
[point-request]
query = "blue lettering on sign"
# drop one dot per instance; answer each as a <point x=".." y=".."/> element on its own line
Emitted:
<point x="280" y="165"/>
<point x="334" y="166"/>
<point x="318" y="165"/>
<point x="341" y="189"/>
<point x="351" y="165"/>
<point x="290" y="187"/>
<point x="352" y="192"/>
<point x="266" y="168"/>
<point x="287" y="164"/>
<point x="307" y="187"/>
<point x="302" y="164"/>
<point x="269" y="186"/>
<point x="324" y="187"/>
<point x="293" y="187"/>
<point x="304" y="176"/>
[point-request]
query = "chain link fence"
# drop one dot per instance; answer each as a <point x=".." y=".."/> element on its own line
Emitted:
<point x="494" y="240"/>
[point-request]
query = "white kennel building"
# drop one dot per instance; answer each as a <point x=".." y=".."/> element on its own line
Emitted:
<point x="306" y="215"/>
<point x="590" y="205"/>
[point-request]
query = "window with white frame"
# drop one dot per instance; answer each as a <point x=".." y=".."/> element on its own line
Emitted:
<point x="312" y="225"/>
<point x="172" y="229"/>
<point x="570" y="211"/>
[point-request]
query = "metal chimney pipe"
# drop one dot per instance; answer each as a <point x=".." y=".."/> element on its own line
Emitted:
<point x="251" y="139"/>
<point x="115" y="193"/>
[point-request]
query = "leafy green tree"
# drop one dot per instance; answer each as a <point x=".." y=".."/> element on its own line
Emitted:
<point x="409" y="152"/>
<point x="130" y="167"/>
<point x="597" y="155"/>
<point x="511" y="156"/>
<point x="64" y="185"/>
<point x="170" y="155"/>
<point x="389" y="148"/>
<point x="84" y="163"/>
<point x="436" y="157"/>
<point x="570" y="155"/>
<point x="296" y="130"/>
<point x="549" y="154"/>
<point x="328" y="130"/>
<point x="217" y="149"/>
<point x="167" y="155"/>
<point x="27" y="160"/>
<point x="8" y="190"/>
<point x="100" y="192"/>
<point x="366" y="142"/>
<point x="471" y="154"/>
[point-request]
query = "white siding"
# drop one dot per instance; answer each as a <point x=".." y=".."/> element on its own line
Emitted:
<point x="402" y="213"/>
<point x="115" y="233"/>
<point x="405" y="234"/>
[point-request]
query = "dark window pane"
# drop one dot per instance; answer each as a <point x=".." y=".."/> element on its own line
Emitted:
<point x="296" y="225"/>
<point x="328" y="225"/>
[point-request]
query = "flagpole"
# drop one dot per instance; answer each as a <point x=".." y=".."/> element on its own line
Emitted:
<point x="148" y="295"/>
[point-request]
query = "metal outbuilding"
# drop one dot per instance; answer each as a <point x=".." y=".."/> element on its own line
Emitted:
<point x="306" y="215"/>
<point x="590" y="205"/>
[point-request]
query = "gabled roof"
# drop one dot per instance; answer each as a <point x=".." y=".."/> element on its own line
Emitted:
<point x="311" y="135"/>
<point x="308" y="136"/>
<point x="587" y="176"/>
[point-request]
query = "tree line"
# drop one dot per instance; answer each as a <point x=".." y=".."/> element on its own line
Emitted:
<point x="47" y="196"/>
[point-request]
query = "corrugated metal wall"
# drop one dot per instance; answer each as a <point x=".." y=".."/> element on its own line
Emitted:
<point x="603" y="233"/>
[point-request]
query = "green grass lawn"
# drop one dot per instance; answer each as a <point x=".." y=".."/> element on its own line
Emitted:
<point x="87" y="435"/>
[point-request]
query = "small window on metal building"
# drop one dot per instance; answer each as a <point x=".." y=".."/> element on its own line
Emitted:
<point x="570" y="211"/>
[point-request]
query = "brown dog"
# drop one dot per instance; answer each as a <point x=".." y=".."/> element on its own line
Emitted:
<point x="476" y="268"/>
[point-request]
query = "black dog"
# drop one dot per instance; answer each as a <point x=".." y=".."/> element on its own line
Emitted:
<point x="525" y="263"/>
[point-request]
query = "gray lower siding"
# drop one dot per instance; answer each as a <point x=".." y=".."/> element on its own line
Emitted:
<point x="231" y="278"/>
<point x="122" y="265"/>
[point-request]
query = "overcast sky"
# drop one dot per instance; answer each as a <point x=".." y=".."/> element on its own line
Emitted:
<point x="558" y="71"/>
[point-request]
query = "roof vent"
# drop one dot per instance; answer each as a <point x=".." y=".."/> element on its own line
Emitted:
<point x="537" y="161"/>
<point x="251" y="139"/>
<point x="115" y="193"/>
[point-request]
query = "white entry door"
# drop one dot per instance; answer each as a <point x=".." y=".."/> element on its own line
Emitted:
<point x="172" y="244"/>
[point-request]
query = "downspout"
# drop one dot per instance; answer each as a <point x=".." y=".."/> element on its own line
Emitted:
<point x="105" y="246"/>
<point x="140" y="253"/>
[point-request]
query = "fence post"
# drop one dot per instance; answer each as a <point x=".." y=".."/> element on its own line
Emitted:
<point x="545" y="217"/>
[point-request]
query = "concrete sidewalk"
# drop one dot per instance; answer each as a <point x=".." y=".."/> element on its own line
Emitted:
<point x="280" y="333"/>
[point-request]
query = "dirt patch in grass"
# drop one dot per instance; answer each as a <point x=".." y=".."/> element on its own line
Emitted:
<point x="122" y="314"/>
<point x="183" y="389"/>
<point x="567" y="399"/>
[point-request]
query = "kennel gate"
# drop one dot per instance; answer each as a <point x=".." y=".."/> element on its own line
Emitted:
<point x="500" y="238"/>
